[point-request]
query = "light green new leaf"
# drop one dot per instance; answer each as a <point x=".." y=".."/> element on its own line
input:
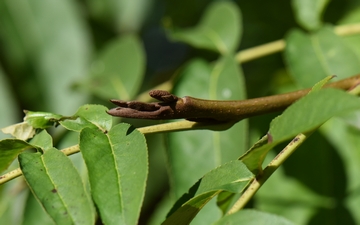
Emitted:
<point x="119" y="69"/>
<point x="253" y="217"/>
<point x="42" y="120"/>
<point x="92" y="116"/>
<point x="9" y="150"/>
<point x="304" y="115"/>
<point x="42" y="140"/>
<point x="312" y="57"/>
<point x="57" y="185"/>
<point x="219" y="29"/>
<point x="308" y="12"/>
<point x="232" y="177"/>
<point x="117" y="165"/>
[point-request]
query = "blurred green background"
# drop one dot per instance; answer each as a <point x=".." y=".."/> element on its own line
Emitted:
<point x="58" y="55"/>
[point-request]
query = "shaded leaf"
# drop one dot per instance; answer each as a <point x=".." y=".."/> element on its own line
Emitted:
<point x="253" y="217"/>
<point x="8" y="113"/>
<point x="287" y="196"/>
<point x="312" y="57"/>
<point x="219" y="29"/>
<point x="9" y="150"/>
<point x="117" y="166"/>
<point x="308" y="12"/>
<point x="42" y="120"/>
<point x="232" y="177"/>
<point x="53" y="38"/>
<point x="92" y="116"/>
<point x="34" y="214"/>
<point x="126" y="16"/>
<point x="119" y="69"/>
<point x="345" y="139"/>
<point x="57" y="185"/>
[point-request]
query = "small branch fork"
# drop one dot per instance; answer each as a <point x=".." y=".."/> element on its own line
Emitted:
<point x="200" y="110"/>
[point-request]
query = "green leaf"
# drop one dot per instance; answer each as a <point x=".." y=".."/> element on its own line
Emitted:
<point x="9" y="150"/>
<point x="117" y="166"/>
<point x="224" y="82"/>
<point x="57" y="185"/>
<point x="219" y="29"/>
<point x="321" y="83"/>
<point x="92" y="116"/>
<point x="253" y="217"/>
<point x="308" y="12"/>
<point x="42" y="140"/>
<point x="42" y="120"/>
<point x="304" y="115"/>
<point x="119" y="69"/>
<point x="311" y="57"/>
<point x="316" y="108"/>
<point x="232" y="177"/>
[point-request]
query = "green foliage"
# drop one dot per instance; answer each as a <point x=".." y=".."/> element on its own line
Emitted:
<point x="117" y="167"/>
<point x="54" y="61"/>
<point x="60" y="191"/>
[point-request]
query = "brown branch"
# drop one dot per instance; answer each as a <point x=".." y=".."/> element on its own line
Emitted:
<point x="195" y="109"/>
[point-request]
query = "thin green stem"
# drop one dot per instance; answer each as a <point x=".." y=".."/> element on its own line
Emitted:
<point x="267" y="172"/>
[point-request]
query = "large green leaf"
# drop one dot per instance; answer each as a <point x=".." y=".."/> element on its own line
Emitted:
<point x="253" y="217"/>
<point x="189" y="155"/>
<point x="58" y="187"/>
<point x="93" y="116"/>
<point x="311" y="57"/>
<point x="232" y="177"/>
<point x="193" y="153"/>
<point x="308" y="12"/>
<point x="304" y="115"/>
<point x="117" y="166"/>
<point x="119" y="69"/>
<point x="219" y="29"/>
